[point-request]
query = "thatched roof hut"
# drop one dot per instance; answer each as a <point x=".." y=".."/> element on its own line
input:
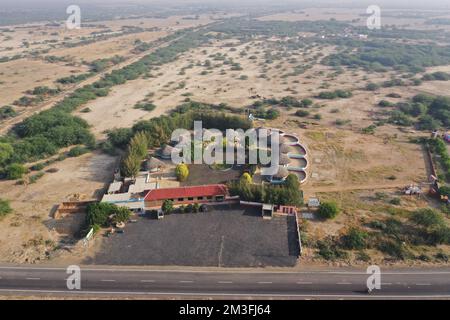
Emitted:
<point x="284" y="159"/>
<point x="285" y="148"/>
<point x="282" y="173"/>
<point x="154" y="164"/>
<point x="166" y="152"/>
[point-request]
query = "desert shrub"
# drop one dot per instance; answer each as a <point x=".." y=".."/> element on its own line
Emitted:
<point x="427" y="218"/>
<point x="355" y="239"/>
<point x="328" y="250"/>
<point x="34" y="178"/>
<point x="5" y="208"/>
<point x="77" y="151"/>
<point x="15" y="171"/>
<point x="328" y="210"/>
<point x="442" y="256"/>
<point x="372" y="86"/>
<point x="7" y="112"/>
<point x="38" y="166"/>
<point x="147" y="106"/>
<point x="335" y="94"/>
<point x="393" y="248"/>
<point x="363" y="256"/>
<point x="385" y="103"/>
<point x="369" y="130"/>
<point x="302" y="113"/>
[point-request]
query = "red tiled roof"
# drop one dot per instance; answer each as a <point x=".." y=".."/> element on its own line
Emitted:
<point x="186" y="192"/>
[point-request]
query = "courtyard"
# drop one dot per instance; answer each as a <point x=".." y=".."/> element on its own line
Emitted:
<point x="225" y="236"/>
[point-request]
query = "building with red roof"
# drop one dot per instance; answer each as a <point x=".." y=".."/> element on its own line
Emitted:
<point x="186" y="195"/>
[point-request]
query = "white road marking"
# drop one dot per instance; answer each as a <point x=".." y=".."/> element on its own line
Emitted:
<point x="33" y="278"/>
<point x="265" y="282"/>
<point x="186" y="281"/>
<point x="344" y="283"/>
<point x="225" y="282"/>
<point x="106" y="280"/>
<point x="148" y="281"/>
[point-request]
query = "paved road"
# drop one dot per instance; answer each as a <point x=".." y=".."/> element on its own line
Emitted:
<point x="328" y="284"/>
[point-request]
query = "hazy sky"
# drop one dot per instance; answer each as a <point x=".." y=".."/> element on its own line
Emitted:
<point x="359" y="3"/>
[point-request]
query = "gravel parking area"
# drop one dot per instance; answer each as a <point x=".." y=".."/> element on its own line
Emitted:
<point x="226" y="236"/>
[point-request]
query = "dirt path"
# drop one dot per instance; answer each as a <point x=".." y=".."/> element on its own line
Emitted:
<point x="311" y="190"/>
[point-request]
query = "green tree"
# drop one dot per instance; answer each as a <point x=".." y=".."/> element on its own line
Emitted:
<point x="328" y="210"/>
<point x="182" y="172"/>
<point x="292" y="182"/>
<point x="122" y="214"/>
<point x="98" y="214"/>
<point x="139" y="145"/>
<point x="130" y="166"/>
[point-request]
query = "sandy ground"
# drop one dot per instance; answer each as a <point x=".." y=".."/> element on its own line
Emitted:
<point x="28" y="239"/>
<point x="18" y="76"/>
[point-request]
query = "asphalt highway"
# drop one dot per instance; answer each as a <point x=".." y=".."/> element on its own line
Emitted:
<point x="324" y="284"/>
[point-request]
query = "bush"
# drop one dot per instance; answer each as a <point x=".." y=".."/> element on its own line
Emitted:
<point x="4" y="207"/>
<point x="35" y="177"/>
<point x="393" y="248"/>
<point x="167" y="206"/>
<point x="372" y="86"/>
<point x="385" y="103"/>
<point x="15" y="171"/>
<point x="182" y="172"/>
<point x="246" y="178"/>
<point x="328" y="210"/>
<point x="329" y="251"/>
<point x="355" y="239"/>
<point x="77" y="151"/>
<point x="302" y="113"/>
<point x="7" y="112"/>
<point x="427" y="218"/>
